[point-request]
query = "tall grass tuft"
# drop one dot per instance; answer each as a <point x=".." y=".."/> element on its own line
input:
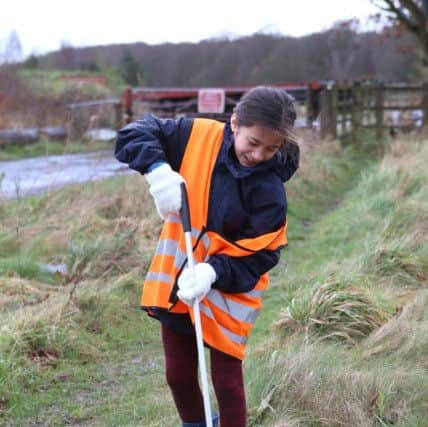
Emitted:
<point x="334" y="311"/>
<point x="319" y="384"/>
<point x="404" y="338"/>
<point x="106" y="256"/>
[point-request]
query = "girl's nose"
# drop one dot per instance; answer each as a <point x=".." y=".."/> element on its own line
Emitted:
<point x="257" y="156"/>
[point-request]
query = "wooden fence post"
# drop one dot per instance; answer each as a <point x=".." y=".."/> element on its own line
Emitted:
<point x="127" y="103"/>
<point x="70" y="125"/>
<point x="344" y="108"/>
<point x="356" y="111"/>
<point x="379" y="104"/>
<point x="309" y="106"/>
<point x="334" y="95"/>
<point x="341" y="108"/>
<point x="329" y="112"/>
<point x="118" y="116"/>
<point x="425" y="105"/>
<point x="324" y="113"/>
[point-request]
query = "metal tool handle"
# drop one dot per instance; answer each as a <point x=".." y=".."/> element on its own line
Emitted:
<point x="185" y="210"/>
<point x="187" y="227"/>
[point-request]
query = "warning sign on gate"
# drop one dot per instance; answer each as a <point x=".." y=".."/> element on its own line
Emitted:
<point x="211" y="100"/>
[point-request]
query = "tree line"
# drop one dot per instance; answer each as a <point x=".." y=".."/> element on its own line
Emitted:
<point x="398" y="52"/>
<point x="342" y="53"/>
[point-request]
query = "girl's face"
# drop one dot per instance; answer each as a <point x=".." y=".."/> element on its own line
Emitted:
<point x="255" y="144"/>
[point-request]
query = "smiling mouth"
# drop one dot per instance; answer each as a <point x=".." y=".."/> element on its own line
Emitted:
<point x="247" y="162"/>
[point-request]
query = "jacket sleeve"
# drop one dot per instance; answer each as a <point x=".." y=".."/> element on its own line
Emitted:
<point x="150" y="140"/>
<point x="241" y="274"/>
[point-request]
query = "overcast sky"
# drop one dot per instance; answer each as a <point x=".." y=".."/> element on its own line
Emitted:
<point x="43" y="25"/>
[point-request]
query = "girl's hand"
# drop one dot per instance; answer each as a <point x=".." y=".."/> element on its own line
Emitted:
<point x="196" y="284"/>
<point x="164" y="186"/>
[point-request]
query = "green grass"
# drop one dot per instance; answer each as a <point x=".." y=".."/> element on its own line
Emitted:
<point x="371" y="245"/>
<point x="76" y="349"/>
<point x="48" y="82"/>
<point x="25" y="267"/>
<point x="48" y="148"/>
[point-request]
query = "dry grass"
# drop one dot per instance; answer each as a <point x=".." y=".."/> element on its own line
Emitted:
<point x="405" y="335"/>
<point x="115" y="221"/>
<point x="334" y="311"/>
<point x="59" y="320"/>
<point x="105" y="233"/>
<point x="311" y="383"/>
<point x="305" y="375"/>
<point x="16" y="292"/>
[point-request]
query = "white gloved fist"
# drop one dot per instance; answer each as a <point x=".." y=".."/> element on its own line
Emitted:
<point x="164" y="186"/>
<point x="196" y="284"/>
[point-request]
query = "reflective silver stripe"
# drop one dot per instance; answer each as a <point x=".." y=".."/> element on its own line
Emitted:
<point x="233" y="337"/>
<point x="159" y="277"/>
<point x="167" y="247"/>
<point x="206" y="241"/>
<point x="195" y="231"/>
<point x="170" y="247"/>
<point x="177" y="220"/>
<point x="206" y="310"/>
<point x="238" y="311"/>
<point x="255" y="293"/>
<point x="239" y="339"/>
<point x="180" y="258"/>
<point x="173" y="218"/>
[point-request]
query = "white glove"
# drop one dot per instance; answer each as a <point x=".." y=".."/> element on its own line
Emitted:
<point x="164" y="186"/>
<point x="196" y="284"/>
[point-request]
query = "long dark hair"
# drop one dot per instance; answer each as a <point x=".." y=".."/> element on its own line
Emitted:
<point x="270" y="107"/>
<point x="266" y="106"/>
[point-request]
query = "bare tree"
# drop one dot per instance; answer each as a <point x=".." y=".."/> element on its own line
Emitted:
<point x="413" y="15"/>
<point x="67" y="55"/>
<point x="13" y="49"/>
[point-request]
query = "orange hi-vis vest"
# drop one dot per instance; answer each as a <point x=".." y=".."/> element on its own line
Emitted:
<point x="226" y="318"/>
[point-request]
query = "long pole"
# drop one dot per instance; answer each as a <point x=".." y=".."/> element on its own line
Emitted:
<point x="185" y="217"/>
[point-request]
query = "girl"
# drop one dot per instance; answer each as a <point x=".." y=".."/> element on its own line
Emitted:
<point x="234" y="175"/>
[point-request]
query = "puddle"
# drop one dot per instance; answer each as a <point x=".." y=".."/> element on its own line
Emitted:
<point x="54" y="268"/>
<point x="41" y="174"/>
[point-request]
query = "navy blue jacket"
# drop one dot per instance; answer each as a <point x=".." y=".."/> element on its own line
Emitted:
<point x="244" y="202"/>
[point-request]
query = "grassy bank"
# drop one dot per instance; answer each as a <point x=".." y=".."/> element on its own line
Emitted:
<point x="349" y="344"/>
<point x="342" y="338"/>
<point x="56" y="83"/>
<point x="50" y="148"/>
<point x="36" y="98"/>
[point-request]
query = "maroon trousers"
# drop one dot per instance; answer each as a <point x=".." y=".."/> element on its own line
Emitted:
<point x="181" y="364"/>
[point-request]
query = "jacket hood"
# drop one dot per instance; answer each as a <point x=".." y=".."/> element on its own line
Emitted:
<point x="288" y="160"/>
<point x="284" y="163"/>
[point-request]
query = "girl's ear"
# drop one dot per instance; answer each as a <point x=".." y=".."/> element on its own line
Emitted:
<point x="233" y="123"/>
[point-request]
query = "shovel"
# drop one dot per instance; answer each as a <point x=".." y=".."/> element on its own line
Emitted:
<point x="185" y="218"/>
